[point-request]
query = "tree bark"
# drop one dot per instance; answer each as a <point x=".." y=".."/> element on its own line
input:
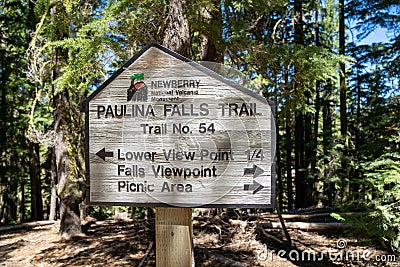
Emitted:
<point x="176" y="33"/>
<point x="327" y="121"/>
<point x="70" y="185"/>
<point x="288" y="144"/>
<point x="300" y="182"/>
<point x="301" y="194"/>
<point x="209" y="37"/>
<point x="13" y="198"/>
<point x="22" y="203"/>
<point x="53" y="190"/>
<point x="288" y="136"/>
<point x="68" y="188"/>
<point x="308" y="156"/>
<point x="3" y="140"/>
<point x="342" y="88"/>
<point x="279" y="191"/>
<point x="343" y="102"/>
<point x="4" y="219"/>
<point x="36" y="186"/>
<point x="314" y="146"/>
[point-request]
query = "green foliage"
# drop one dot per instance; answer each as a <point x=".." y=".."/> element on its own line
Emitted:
<point x="383" y="181"/>
<point x="134" y="23"/>
<point x="313" y="64"/>
<point x="338" y="217"/>
<point x="101" y="212"/>
<point x="85" y="65"/>
<point x="381" y="217"/>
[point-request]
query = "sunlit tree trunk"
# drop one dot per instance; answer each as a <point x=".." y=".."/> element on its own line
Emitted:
<point x="53" y="189"/>
<point x="176" y="33"/>
<point x="69" y="191"/>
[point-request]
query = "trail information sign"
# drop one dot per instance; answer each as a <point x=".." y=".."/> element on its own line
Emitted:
<point x="166" y="131"/>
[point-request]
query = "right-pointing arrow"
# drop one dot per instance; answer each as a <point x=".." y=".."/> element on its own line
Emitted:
<point x="103" y="154"/>
<point x="255" y="171"/>
<point x="255" y="187"/>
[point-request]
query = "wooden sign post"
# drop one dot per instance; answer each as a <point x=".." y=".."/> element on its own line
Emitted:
<point x="174" y="237"/>
<point x="164" y="131"/>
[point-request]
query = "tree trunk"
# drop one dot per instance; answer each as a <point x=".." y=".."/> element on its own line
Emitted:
<point x="288" y="136"/>
<point x="288" y="144"/>
<point x="343" y="104"/>
<point x="22" y="203"/>
<point x="327" y="145"/>
<point x="314" y="146"/>
<point x="300" y="182"/>
<point x="301" y="194"/>
<point x="4" y="219"/>
<point x="53" y="189"/>
<point x="278" y="168"/>
<point x="308" y="156"/>
<point x="14" y="198"/>
<point x="36" y="186"/>
<point x="176" y="33"/>
<point x="71" y="186"/>
<point x="355" y="187"/>
<point x="69" y="202"/>
<point x="211" y="33"/>
<point x="4" y="75"/>
<point x="68" y="188"/>
<point x="3" y="141"/>
<point x="342" y="88"/>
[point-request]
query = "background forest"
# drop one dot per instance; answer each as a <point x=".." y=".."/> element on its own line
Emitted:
<point x="338" y="98"/>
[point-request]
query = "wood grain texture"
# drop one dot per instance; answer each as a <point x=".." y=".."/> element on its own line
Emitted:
<point x="173" y="233"/>
<point x="207" y="133"/>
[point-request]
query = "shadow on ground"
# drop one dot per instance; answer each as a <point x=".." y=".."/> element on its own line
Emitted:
<point x="218" y="241"/>
<point x="106" y="243"/>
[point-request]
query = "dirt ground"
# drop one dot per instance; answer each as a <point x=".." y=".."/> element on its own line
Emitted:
<point x="217" y="241"/>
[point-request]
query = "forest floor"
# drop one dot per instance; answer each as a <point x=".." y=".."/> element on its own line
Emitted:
<point x="217" y="242"/>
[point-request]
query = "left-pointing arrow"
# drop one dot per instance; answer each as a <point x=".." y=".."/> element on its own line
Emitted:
<point x="103" y="154"/>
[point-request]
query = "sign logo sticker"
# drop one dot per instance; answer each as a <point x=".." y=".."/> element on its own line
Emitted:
<point x="137" y="91"/>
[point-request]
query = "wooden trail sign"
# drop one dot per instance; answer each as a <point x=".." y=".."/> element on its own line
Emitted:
<point x="166" y="131"/>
